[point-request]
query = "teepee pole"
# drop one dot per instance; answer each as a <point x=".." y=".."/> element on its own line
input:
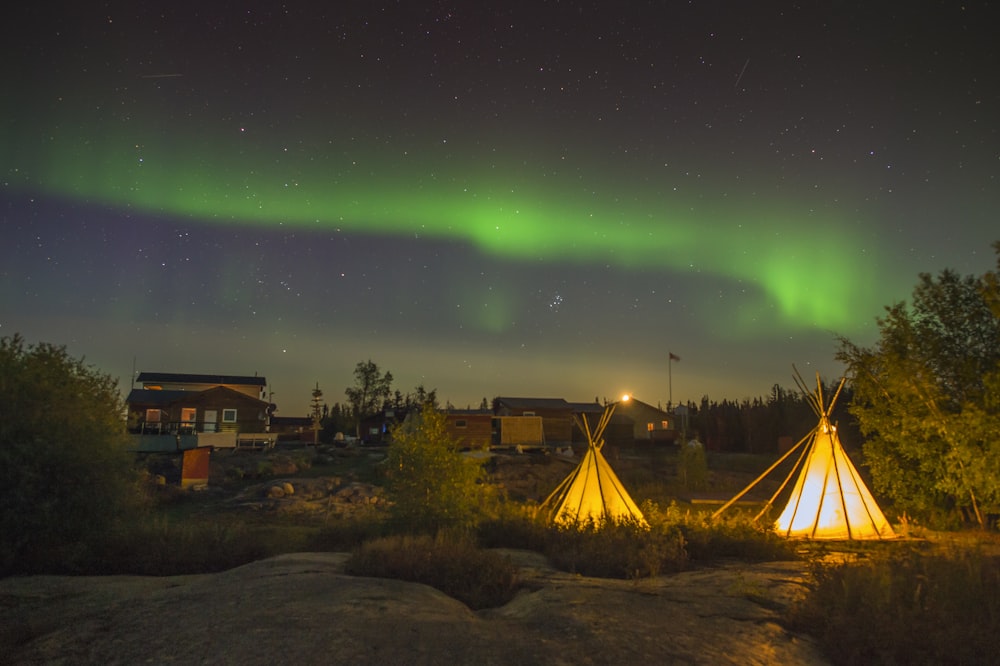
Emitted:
<point x="795" y="468"/>
<point x="759" y="478"/>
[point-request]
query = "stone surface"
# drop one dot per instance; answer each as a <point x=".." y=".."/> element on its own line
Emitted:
<point x="302" y="609"/>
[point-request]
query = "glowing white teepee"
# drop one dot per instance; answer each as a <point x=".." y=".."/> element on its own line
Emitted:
<point x="592" y="493"/>
<point x="829" y="499"/>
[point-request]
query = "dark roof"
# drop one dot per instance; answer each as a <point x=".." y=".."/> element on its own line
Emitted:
<point x="200" y="379"/>
<point x="648" y="406"/>
<point x="534" y="403"/>
<point x="468" y="412"/>
<point x="588" y="407"/>
<point x="152" y="397"/>
<point x="162" y="398"/>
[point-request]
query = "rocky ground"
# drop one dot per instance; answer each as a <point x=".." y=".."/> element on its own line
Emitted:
<point x="302" y="609"/>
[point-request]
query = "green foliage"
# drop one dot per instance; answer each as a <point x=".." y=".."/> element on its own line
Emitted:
<point x="455" y="565"/>
<point x="927" y="396"/>
<point x="901" y="606"/>
<point x="692" y="466"/>
<point x="64" y="470"/>
<point x="734" y="535"/>
<point x="431" y="484"/>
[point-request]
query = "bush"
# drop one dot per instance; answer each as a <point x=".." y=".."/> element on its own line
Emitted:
<point x="906" y="607"/>
<point x="452" y="564"/>
<point x="431" y="484"/>
<point x="735" y="535"/>
<point x="64" y="472"/>
<point x="515" y="526"/>
<point x="617" y="550"/>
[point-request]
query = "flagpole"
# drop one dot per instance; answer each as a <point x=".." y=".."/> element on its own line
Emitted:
<point x="671" y="357"/>
<point x="670" y="378"/>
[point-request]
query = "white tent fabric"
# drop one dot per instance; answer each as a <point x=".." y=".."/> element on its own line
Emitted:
<point x="592" y="493"/>
<point x="829" y="499"/>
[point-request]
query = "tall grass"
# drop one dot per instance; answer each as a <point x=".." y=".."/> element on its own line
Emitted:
<point x="165" y="547"/>
<point x="905" y="606"/>
<point x="673" y="541"/>
<point x="454" y="564"/>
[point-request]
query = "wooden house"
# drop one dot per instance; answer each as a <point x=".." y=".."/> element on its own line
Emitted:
<point x="556" y="415"/>
<point x="649" y="424"/>
<point x="197" y="410"/>
<point x="471" y="428"/>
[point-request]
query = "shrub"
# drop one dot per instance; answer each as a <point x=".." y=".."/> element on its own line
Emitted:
<point x="692" y="466"/>
<point x="64" y="471"/>
<point x="906" y="607"/>
<point x="452" y="564"/>
<point x="616" y="549"/>
<point x="515" y="526"/>
<point x="734" y="535"/>
<point x="431" y="484"/>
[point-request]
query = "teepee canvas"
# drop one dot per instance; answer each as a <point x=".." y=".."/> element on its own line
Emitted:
<point x="592" y="493"/>
<point x="829" y="499"/>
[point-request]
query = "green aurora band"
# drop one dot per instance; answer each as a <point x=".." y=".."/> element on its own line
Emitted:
<point x="802" y="268"/>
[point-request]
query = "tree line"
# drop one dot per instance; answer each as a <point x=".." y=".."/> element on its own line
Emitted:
<point x="371" y="393"/>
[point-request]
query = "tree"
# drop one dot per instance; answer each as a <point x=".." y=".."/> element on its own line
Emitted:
<point x="370" y="392"/>
<point x="318" y="408"/>
<point x="64" y="471"/>
<point x="431" y="484"/>
<point x="927" y="397"/>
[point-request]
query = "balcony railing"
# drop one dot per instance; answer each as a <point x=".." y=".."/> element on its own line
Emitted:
<point x="181" y="427"/>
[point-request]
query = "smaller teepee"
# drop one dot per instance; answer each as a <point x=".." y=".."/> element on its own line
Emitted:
<point x="592" y="493"/>
<point x="829" y="499"/>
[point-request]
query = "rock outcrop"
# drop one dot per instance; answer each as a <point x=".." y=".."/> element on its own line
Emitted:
<point x="303" y="609"/>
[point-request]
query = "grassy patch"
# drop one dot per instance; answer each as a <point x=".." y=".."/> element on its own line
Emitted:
<point x="617" y="550"/>
<point x="453" y="564"/>
<point x="163" y="547"/>
<point x="903" y="605"/>
<point x="673" y="541"/>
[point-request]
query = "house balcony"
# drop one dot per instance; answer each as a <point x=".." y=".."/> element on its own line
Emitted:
<point x="173" y="436"/>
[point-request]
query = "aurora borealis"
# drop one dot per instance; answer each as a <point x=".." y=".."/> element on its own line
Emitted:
<point x="538" y="199"/>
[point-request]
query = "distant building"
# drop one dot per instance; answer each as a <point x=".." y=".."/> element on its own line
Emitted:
<point x="188" y="406"/>
<point x="556" y="415"/>
<point x="471" y="428"/>
<point x="649" y="423"/>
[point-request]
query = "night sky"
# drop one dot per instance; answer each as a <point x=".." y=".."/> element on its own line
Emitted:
<point x="534" y="199"/>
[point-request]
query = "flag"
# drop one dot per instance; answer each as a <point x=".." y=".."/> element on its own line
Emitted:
<point x="674" y="357"/>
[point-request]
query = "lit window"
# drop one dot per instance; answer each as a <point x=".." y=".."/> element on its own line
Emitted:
<point x="229" y="416"/>
<point x="650" y="426"/>
<point x="152" y="416"/>
<point x="666" y="425"/>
